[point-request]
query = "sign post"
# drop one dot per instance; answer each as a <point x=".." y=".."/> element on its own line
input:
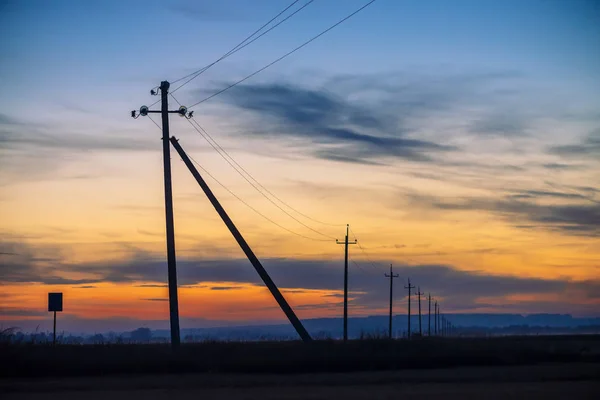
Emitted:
<point x="55" y="303"/>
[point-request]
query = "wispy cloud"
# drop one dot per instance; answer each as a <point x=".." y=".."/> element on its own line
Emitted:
<point x="295" y="276"/>
<point x="588" y="147"/>
<point x="519" y="210"/>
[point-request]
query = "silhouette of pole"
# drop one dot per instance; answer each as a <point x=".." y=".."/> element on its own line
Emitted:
<point x="170" y="226"/>
<point x="435" y="318"/>
<point x="409" y="287"/>
<point x="244" y="246"/>
<point x="391" y="276"/>
<point x="441" y="328"/>
<point x="171" y="259"/>
<point x="419" y="294"/>
<point x="346" y="243"/>
<point x="429" y="316"/>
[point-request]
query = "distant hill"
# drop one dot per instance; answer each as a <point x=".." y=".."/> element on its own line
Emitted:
<point x="378" y="325"/>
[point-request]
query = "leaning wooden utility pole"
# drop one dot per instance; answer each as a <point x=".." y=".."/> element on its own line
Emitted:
<point x="409" y="287"/>
<point x="244" y="246"/>
<point x="419" y="294"/>
<point x="346" y="243"/>
<point x="391" y="276"/>
<point x="170" y="231"/>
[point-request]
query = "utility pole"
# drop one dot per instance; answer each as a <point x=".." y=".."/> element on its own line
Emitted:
<point x="435" y="318"/>
<point x="440" y="321"/>
<point x="443" y="326"/>
<point x="429" y="319"/>
<point x="346" y="243"/>
<point x="171" y="259"/>
<point x="391" y="276"/>
<point x="409" y="287"/>
<point x="419" y="294"/>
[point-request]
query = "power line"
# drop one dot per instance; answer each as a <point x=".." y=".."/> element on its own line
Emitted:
<point x="245" y="203"/>
<point x="284" y="56"/>
<point x="252" y="208"/>
<point x="253" y="185"/>
<point x="236" y="46"/>
<point x="242" y="45"/>
<point x="154" y="122"/>
<point x="358" y="266"/>
<point x="362" y="249"/>
<point x="252" y="177"/>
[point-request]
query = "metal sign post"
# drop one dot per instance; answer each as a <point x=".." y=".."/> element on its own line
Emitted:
<point x="55" y="304"/>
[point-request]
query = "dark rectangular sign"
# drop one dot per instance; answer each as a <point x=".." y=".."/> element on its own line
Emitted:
<point x="55" y="302"/>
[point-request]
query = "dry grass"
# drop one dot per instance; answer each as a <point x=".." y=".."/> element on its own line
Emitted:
<point x="27" y="359"/>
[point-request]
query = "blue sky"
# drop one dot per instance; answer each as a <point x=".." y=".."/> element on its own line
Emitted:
<point x="52" y="46"/>
<point x="458" y="136"/>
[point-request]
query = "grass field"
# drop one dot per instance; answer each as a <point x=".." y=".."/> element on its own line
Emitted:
<point x="29" y="360"/>
<point x="547" y="381"/>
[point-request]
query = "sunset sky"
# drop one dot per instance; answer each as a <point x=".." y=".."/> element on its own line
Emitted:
<point x="459" y="139"/>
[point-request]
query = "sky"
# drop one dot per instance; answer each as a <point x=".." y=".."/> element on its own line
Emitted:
<point x="460" y="140"/>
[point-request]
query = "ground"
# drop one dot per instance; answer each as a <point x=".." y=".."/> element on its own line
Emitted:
<point x="550" y="381"/>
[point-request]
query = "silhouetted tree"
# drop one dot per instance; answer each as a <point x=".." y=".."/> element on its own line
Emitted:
<point x="141" y="335"/>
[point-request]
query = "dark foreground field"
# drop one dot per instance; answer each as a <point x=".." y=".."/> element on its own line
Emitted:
<point x="294" y="357"/>
<point x="551" y="381"/>
<point x="549" y="367"/>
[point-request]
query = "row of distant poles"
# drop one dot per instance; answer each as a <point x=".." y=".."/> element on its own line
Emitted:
<point x="441" y="325"/>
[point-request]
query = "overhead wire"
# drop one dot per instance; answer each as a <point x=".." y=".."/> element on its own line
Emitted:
<point x="244" y="202"/>
<point x="283" y="56"/>
<point x="362" y="249"/>
<point x="256" y="181"/>
<point x="231" y="161"/>
<point x="254" y="209"/>
<point x="154" y="122"/>
<point x="241" y="46"/>
<point x="252" y="184"/>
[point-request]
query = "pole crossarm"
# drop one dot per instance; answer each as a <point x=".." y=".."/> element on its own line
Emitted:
<point x="289" y="312"/>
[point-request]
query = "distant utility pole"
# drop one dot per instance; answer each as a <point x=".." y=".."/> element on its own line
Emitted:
<point x="435" y="318"/>
<point x="346" y="243"/>
<point x="391" y="276"/>
<point x="171" y="259"/>
<point x="443" y="326"/>
<point x="440" y="321"/>
<point x="419" y="294"/>
<point x="409" y="287"/>
<point x="429" y="319"/>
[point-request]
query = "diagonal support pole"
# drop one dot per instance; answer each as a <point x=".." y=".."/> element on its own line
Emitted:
<point x="245" y="247"/>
